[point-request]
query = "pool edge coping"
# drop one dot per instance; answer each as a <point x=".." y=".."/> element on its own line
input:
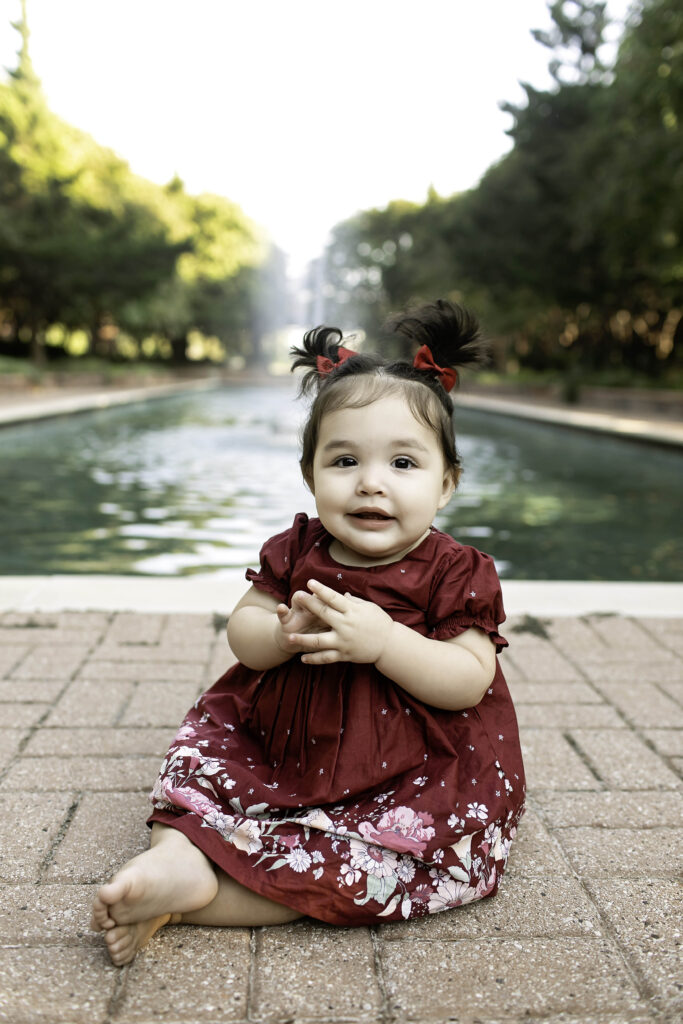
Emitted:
<point x="652" y="431"/>
<point x="219" y="594"/>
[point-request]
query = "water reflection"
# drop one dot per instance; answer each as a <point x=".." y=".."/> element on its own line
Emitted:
<point x="195" y="483"/>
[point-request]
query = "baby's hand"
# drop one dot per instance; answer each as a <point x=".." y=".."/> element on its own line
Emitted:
<point x="355" y="630"/>
<point x="295" y="620"/>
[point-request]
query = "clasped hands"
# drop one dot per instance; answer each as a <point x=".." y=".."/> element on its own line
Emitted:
<point x="325" y="626"/>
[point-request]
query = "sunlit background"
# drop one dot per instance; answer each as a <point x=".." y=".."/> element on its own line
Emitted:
<point x="301" y="112"/>
<point x="185" y="187"/>
<point x="267" y="129"/>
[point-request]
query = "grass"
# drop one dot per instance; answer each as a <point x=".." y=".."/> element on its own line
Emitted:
<point x="614" y="378"/>
<point x="75" y="367"/>
<point x="88" y="366"/>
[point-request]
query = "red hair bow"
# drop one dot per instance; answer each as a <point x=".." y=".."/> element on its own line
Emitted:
<point x="424" y="360"/>
<point x="326" y="366"/>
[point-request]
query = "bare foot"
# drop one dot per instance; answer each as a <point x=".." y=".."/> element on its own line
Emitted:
<point x="125" y="940"/>
<point x="172" y="877"/>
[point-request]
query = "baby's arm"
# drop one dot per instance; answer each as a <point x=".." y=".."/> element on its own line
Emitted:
<point x="451" y="674"/>
<point x="260" y="629"/>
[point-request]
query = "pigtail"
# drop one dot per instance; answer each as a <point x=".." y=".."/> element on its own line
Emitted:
<point x="322" y="354"/>
<point x="450" y="333"/>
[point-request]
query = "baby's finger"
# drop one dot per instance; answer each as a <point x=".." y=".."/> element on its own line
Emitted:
<point x="289" y="641"/>
<point x="314" y="641"/>
<point x="328" y="595"/>
<point x="318" y="608"/>
<point x="327" y="657"/>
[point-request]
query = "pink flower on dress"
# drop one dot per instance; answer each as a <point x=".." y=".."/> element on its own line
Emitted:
<point x="372" y="859"/>
<point x="188" y="798"/>
<point x="185" y="732"/>
<point x="246" y="835"/>
<point x="485" y="885"/>
<point x="290" y="841"/>
<point x="401" y="829"/>
<point x="421" y="894"/>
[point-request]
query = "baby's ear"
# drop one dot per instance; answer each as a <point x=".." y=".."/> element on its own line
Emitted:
<point x="450" y="482"/>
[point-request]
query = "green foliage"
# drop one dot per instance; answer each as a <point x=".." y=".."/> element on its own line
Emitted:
<point x="575" y="40"/>
<point x="85" y="243"/>
<point x="570" y="246"/>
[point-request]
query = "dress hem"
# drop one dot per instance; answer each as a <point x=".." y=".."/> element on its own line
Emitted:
<point x="193" y="830"/>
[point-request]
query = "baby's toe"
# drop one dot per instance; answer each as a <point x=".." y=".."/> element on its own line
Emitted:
<point x="121" y="945"/>
<point x="101" y="919"/>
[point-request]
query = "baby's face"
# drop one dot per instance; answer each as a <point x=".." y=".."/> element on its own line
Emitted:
<point x="379" y="478"/>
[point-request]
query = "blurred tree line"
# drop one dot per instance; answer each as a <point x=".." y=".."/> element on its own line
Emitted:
<point x="570" y="246"/>
<point x="96" y="260"/>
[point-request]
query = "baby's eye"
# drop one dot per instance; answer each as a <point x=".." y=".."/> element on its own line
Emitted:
<point x="403" y="462"/>
<point x="344" y="461"/>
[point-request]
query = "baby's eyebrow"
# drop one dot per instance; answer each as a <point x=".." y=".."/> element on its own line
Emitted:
<point x="409" y="442"/>
<point x="399" y="443"/>
<point x="331" y="445"/>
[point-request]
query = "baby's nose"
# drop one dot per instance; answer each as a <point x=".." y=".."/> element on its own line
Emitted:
<point x="371" y="481"/>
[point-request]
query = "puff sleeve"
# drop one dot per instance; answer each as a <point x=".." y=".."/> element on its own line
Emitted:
<point x="278" y="556"/>
<point x="466" y="593"/>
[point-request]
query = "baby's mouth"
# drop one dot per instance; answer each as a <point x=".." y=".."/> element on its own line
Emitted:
<point x="370" y="514"/>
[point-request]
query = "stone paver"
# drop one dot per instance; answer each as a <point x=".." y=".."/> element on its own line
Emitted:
<point x="647" y="918"/>
<point x="10" y="742"/>
<point x="49" y="661"/>
<point x="160" y="704"/>
<point x="552" y="763"/>
<point x="586" y="928"/>
<point x="39" y="915"/>
<point x="624" y="852"/>
<point x="34" y="691"/>
<point x="81" y="703"/>
<point x="335" y="979"/>
<point x="611" y="809"/>
<point x="122" y="740"/>
<point x="106" y="829"/>
<point x="501" y="977"/>
<point x="189" y="975"/>
<point x="74" y="986"/>
<point x="30" y="825"/>
<point x="623" y="761"/>
<point x="77" y="773"/>
<point x="22" y="715"/>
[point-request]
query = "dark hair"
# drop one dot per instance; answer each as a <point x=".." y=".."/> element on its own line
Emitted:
<point x="453" y="337"/>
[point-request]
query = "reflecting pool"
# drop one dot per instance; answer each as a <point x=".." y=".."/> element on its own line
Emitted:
<point x="195" y="483"/>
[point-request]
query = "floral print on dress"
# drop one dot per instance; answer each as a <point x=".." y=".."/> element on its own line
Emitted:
<point x="381" y="863"/>
<point x="336" y="792"/>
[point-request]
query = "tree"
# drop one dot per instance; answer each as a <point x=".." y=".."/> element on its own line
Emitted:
<point x="575" y="40"/>
<point x="85" y="243"/>
<point x="214" y="286"/>
<point x="78" y="234"/>
<point x="570" y="246"/>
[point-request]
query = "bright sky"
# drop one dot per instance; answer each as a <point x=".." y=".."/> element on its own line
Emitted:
<point x="301" y="111"/>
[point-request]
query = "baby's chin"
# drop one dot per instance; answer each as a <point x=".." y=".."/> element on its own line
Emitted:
<point x="369" y="554"/>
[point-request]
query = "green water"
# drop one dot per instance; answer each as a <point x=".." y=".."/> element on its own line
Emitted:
<point x="195" y="483"/>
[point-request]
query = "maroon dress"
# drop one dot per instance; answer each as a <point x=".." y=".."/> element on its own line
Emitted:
<point x="330" y="788"/>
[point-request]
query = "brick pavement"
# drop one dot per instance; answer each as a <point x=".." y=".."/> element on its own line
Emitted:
<point x="586" y="927"/>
